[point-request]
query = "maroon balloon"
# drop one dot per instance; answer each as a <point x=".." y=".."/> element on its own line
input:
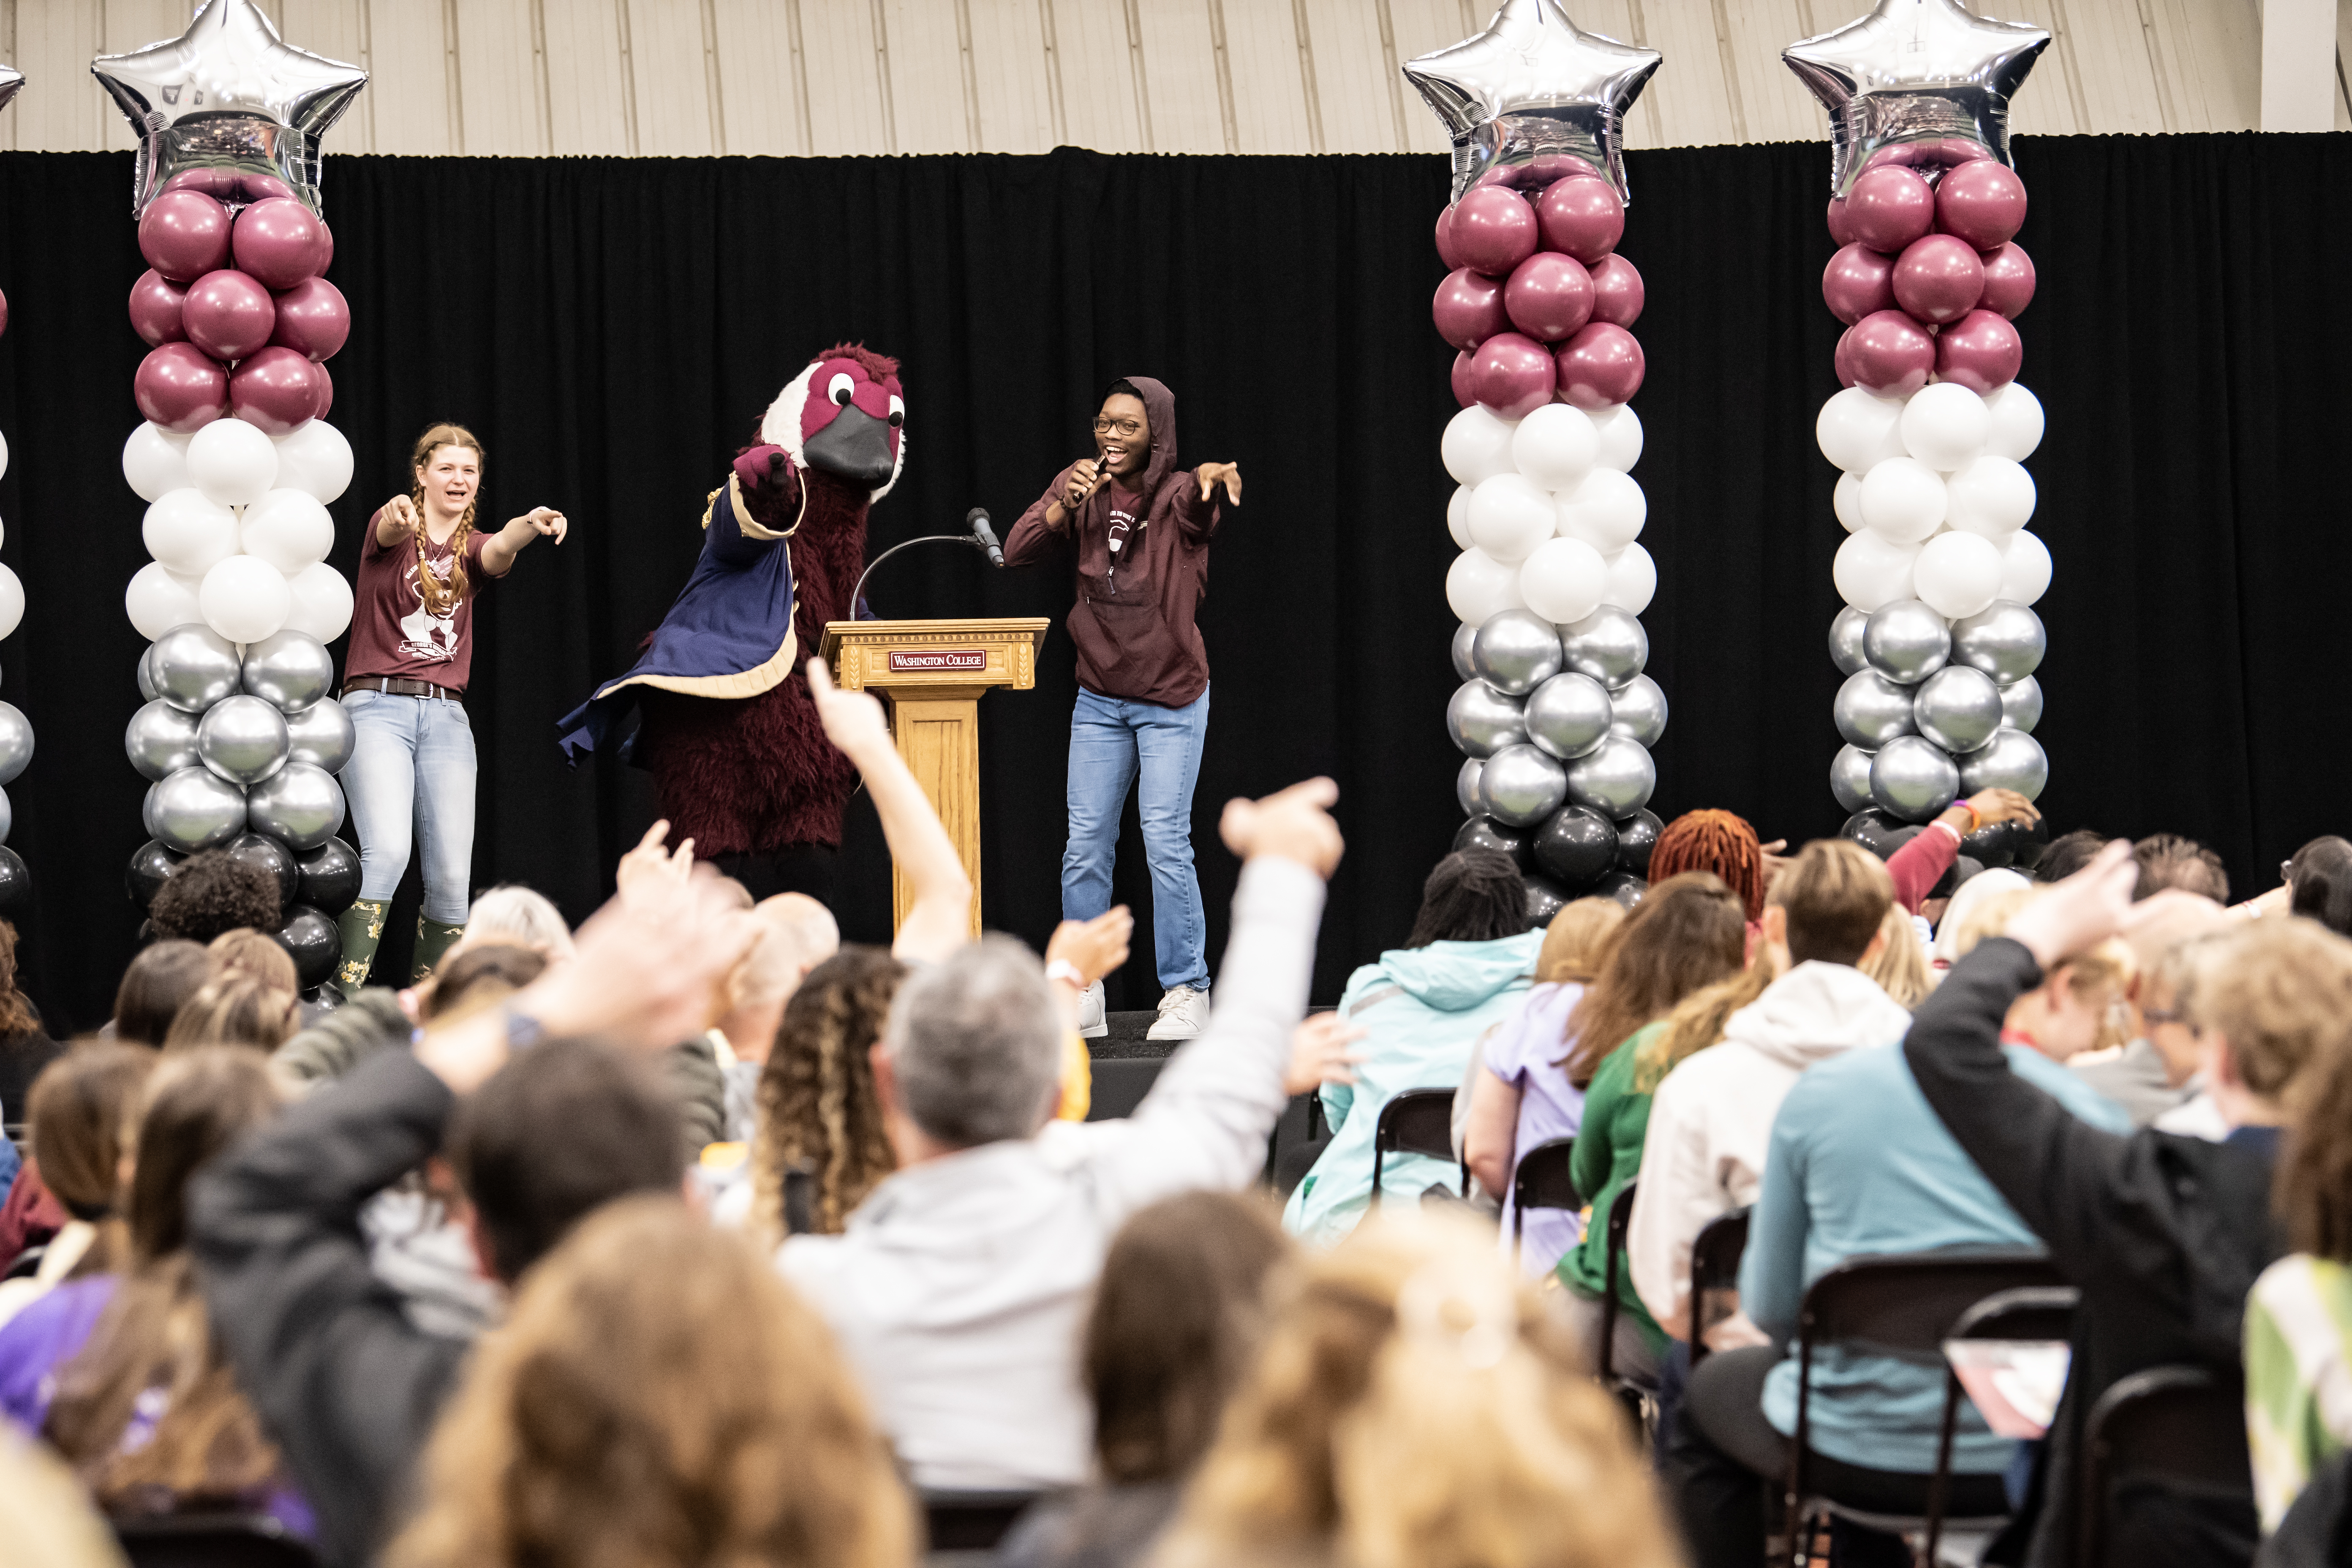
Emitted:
<point x="1939" y="278"/>
<point x="1857" y="282"/>
<point x="1494" y="230"/>
<point x="1581" y="216"/>
<point x="325" y="256"/>
<point x="1548" y="296"/>
<point x="1469" y="309"/>
<point x="313" y="320"/>
<point x="2009" y="280"/>
<point x="1981" y="351"/>
<point x="1840" y="229"/>
<point x="227" y="314"/>
<point x="280" y="242"/>
<point x="1983" y="203"/>
<point x="277" y="389"/>
<point x="155" y="309"/>
<point x="1600" y="366"/>
<point x="184" y="234"/>
<point x="325" y="392"/>
<point x="1512" y="375"/>
<point x="1888" y="208"/>
<point x="1617" y="292"/>
<point x="1888" y="353"/>
<point x="1445" y="251"/>
<point x="180" y="388"/>
<point x="1842" y="363"/>
<point x="1465" y="389"/>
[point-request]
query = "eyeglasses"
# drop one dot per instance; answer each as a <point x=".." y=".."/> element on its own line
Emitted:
<point x="1131" y="429"/>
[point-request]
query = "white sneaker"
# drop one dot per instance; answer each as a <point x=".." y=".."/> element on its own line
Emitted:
<point x="1093" y="1022"/>
<point x="1183" y="1012"/>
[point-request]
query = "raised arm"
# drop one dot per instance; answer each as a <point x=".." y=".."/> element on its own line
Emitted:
<point x="1048" y="517"/>
<point x="394" y="521"/>
<point x="500" y="550"/>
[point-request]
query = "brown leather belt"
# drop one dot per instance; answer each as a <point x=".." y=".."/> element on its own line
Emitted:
<point x="394" y="686"/>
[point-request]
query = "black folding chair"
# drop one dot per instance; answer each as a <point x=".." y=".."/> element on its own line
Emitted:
<point x="1906" y="1304"/>
<point x="1620" y="1220"/>
<point x="1715" y="1273"/>
<point x="1416" y="1122"/>
<point x="26" y="1263"/>
<point x="970" y="1522"/>
<point x="2028" y="1313"/>
<point x="1541" y="1181"/>
<point x="2184" y="1426"/>
<point x="210" y="1541"/>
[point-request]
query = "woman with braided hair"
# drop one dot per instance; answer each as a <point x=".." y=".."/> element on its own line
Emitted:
<point x="405" y="677"/>
<point x="818" y="1109"/>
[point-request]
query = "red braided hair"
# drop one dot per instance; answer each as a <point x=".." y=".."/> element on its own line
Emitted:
<point x="1718" y="841"/>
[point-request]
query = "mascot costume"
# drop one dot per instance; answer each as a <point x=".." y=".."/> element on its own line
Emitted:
<point x="740" y="764"/>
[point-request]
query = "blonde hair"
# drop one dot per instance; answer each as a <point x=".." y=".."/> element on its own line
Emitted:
<point x="1988" y="918"/>
<point x="256" y="954"/>
<point x="659" y="1398"/>
<point x="1415" y="1407"/>
<point x="440" y="596"/>
<point x="515" y="913"/>
<point x="2280" y="992"/>
<point x="1577" y="940"/>
<point x="1900" y="964"/>
<point x="1699" y="1021"/>
<point x="236" y="1010"/>
<point x="2107" y="965"/>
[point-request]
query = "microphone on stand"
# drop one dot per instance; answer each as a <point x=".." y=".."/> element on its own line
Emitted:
<point x="976" y="519"/>
<point x="979" y="535"/>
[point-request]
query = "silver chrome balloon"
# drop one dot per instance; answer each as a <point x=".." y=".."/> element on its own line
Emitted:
<point x="1616" y="778"/>
<point x="1608" y="644"/>
<point x="1523" y="785"/>
<point x="7" y="818"/>
<point x="1465" y="787"/>
<point x="2012" y="760"/>
<point x="1871" y="709"/>
<point x="193" y="809"/>
<point x="15" y="742"/>
<point x="1514" y="651"/>
<point x="196" y="667"/>
<point x="1905" y="641"/>
<point x="299" y="803"/>
<point x="1957" y="708"/>
<point x="1913" y="779"/>
<point x="290" y="671"/>
<point x="320" y="735"/>
<point x="2020" y="704"/>
<point x="1463" y="635"/>
<point x="1570" y="715"/>
<point x="1845" y="641"/>
<point x="147" y="691"/>
<point x="2006" y="642"/>
<point x="1639" y="711"/>
<point x="160" y="740"/>
<point x="1482" y="721"/>
<point x="242" y="739"/>
<point x="1850" y="778"/>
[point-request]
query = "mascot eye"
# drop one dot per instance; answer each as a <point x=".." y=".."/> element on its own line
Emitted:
<point x="838" y="389"/>
<point x="897" y="413"/>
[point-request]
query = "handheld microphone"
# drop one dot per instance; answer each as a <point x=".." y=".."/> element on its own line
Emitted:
<point x="976" y="519"/>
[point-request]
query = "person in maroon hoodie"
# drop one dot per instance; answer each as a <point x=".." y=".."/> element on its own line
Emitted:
<point x="1141" y="527"/>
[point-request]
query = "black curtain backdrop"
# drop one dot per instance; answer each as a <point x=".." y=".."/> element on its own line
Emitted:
<point x="613" y="327"/>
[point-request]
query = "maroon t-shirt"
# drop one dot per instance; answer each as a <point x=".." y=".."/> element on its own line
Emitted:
<point x="392" y="633"/>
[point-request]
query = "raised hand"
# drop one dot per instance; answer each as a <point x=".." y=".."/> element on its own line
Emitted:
<point x="1086" y="478"/>
<point x="1294" y="824"/>
<point x="1212" y="474"/>
<point x="544" y="521"/>
<point x="852" y="720"/>
<point x="400" y="513"/>
<point x="648" y="873"/>
<point x="1993" y="806"/>
<point x="1320" y="1053"/>
<point x="1096" y="947"/>
<point x="2082" y="912"/>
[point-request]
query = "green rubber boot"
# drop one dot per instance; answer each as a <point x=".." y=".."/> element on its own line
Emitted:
<point x="432" y="940"/>
<point x="362" y="928"/>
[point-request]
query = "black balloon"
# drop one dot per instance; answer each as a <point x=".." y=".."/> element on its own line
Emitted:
<point x="331" y="877"/>
<point x="150" y="864"/>
<point x="1485" y="833"/>
<point x="1993" y="845"/>
<point x="1622" y="886"/>
<point x="1880" y="833"/>
<point x="16" y="883"/>
<point x="1545" y="898"/>
<point x="260" y="849"/>
<point x="1636" y="836"/>
<point x="2030" y="839"/>
<point x="1962" y="868"/>
<point x="313" y="941"/>
<point x="1576" y="845"/>
<point x="326" y="998"/>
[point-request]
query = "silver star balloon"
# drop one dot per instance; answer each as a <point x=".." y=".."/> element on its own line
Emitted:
<point x="1532" y="97"/>
<point x="1922" y="82"/>
<point x="229" y="109"/>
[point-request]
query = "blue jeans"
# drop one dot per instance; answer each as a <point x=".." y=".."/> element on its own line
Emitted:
<point x="1112" y="740"/>
<point x="412" y="762"/>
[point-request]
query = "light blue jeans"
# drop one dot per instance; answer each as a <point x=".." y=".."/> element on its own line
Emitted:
<point x="1112" y="741"/>
<point x="413" y="763"/>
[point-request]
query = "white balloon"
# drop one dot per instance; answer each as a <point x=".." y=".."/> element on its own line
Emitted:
<point x="1457" y="516"/>
<point x="4" y="454"/>
<point x="158" y="600"/>
<point x="155" y="462"/>
<point x="1556" y="445"/>
<point x="1858" y="432"/>
<point x="1619" y="429"/>
<point x="1509" y="516"/>
<point x="12" y="600"/>
<point x="1991" y="496"/>
<point x="1477" y="446"/>
<point x="288" y="529"/>
<point x="1564" y="580"/>
<point x="2024" y="568"/>
<point x="1869" y="571"/>
<point x="1606" y="511"/>
<point x="1903" y="500"/>
<point x="1633" y="580"/>
<point x="244" y="598"/>
<point x="322" y="602"/>
<point x="232" y="462"/>
<point x="1477" y="585"/>
<point x="1846" y="501"/>
<point x="2016" y="423"/>
<point x="314" y="458"/>
<point x="1959" y="574"/>
<point x="1946" y="426"/>
<point x="189" y="534"/>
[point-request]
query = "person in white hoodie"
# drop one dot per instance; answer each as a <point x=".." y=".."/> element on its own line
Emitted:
<point x="1711" y="1119"/>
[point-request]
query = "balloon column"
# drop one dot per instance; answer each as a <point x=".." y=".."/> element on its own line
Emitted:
<point x="1554" y="712"/>
<point x="16" y="730"/>
<point x="241" y="732"/>
<point x="1938" y="642"/>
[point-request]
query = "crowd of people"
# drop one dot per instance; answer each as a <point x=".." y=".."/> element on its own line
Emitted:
<point x="698" y="1236"/>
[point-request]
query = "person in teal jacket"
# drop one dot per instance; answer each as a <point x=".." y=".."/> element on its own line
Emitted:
<point x="1469" y="960"/>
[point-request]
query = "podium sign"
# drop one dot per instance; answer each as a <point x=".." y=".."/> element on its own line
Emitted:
<point x="933" y="674"/>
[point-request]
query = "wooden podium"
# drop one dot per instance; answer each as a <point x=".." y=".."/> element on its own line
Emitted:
<point x="933" y="674"/>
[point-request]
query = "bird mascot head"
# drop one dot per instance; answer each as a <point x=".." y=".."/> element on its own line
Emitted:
<point x="846" y="416"/>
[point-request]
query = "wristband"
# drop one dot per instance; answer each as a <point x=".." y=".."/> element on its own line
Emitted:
<point x="1062" y="970"/>
<point x="523" y="1031"/>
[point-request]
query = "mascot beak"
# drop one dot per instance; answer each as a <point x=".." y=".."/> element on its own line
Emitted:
<point x="854" y="446"/>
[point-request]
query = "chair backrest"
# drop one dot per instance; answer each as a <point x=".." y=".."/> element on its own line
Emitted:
<point x="26" y="1263"/>
<point x="210" y="1541"/>
<point x="2027" y="1312"/>
<point x="2180" y="1425"/>
<point x="1621" y="1224"/>
<point x="1714" y="1271"/>
<point x="1541" y="1179"/>
<point x="1418" y="1121"/>
<point x="1910" y="1301"/>
<point x="971" y="1520"/>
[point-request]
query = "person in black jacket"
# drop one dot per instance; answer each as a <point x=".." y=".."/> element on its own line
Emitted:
<point x="2163" y="1234"/>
